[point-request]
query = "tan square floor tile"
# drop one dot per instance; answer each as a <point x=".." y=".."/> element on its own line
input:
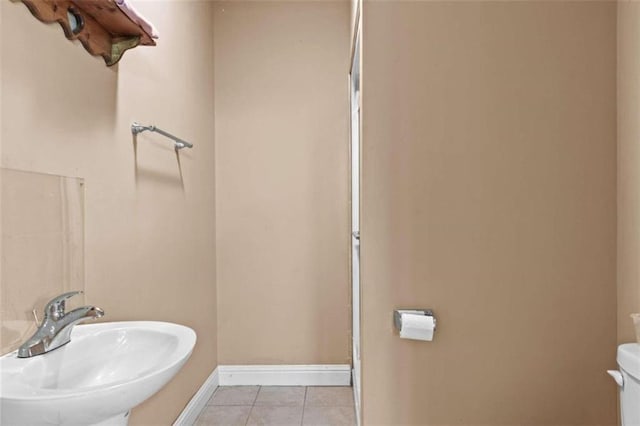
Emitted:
<point x="329" y="396"/>
<point x="275" y="416"/>
<point x="235" y="395"/>
<point x="281" y="395"/>
<point x="329" y="416"/>
<point x="229" y="415"/>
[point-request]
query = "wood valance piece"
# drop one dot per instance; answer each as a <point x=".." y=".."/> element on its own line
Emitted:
<point x="100" y="25"/>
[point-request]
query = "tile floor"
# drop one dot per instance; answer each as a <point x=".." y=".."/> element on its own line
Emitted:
<point x="280" y="406"/>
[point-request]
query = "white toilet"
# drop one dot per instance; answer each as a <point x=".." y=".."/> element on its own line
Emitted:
<point x="628" y="379"/>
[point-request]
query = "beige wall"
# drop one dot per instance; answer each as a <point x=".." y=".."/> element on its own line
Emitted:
<point x="628" y="166"/>
<point x="149" y="230"/>
<point x="282" y="182"/>
<point x="489" y="195"/>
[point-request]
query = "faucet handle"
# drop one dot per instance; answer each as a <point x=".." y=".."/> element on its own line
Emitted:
<point x="55" y="307"/>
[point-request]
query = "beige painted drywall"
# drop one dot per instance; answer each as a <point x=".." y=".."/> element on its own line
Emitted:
<point x="628" y="167"/>
<point x="489" y="195"/>
<point x="282" y="214"/>
<point x="149" y="228"/>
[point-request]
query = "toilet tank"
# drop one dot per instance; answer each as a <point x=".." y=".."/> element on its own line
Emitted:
<point x="629" y="363"/>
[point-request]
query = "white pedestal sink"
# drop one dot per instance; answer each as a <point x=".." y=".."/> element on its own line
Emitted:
<point x="102" y="373"/>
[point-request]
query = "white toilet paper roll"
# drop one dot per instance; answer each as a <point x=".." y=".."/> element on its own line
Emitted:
<point x="417" y="327"/>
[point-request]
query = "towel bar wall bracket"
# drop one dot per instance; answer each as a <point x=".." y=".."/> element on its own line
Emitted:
<point x="178" y="143"/>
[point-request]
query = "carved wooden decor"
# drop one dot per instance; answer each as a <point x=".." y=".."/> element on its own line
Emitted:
<point x="100" y="25"/>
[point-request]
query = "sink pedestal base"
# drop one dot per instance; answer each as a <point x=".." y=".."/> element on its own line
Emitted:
<point x="119" y="420"/>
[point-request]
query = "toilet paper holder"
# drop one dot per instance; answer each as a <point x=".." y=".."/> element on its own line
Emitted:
<point x="397" y="316"/>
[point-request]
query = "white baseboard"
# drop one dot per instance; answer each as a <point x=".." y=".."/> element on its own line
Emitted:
<point x="285" y="375"/>
<point x="199" y="401"/>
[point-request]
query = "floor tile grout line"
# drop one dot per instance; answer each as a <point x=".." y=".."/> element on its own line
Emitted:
<point x="248" y="416"/>
<point x="257" y="393"/>
<point x="252" y="406"/>
<point x="304" y="404"/>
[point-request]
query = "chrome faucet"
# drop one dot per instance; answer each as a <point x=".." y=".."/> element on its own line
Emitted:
<point x="56" y="326"/>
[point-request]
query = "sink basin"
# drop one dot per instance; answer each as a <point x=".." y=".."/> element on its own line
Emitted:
<point x="104" y="371"/>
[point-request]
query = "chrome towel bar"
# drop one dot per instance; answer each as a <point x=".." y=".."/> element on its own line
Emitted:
<point x="179" y="143"/>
